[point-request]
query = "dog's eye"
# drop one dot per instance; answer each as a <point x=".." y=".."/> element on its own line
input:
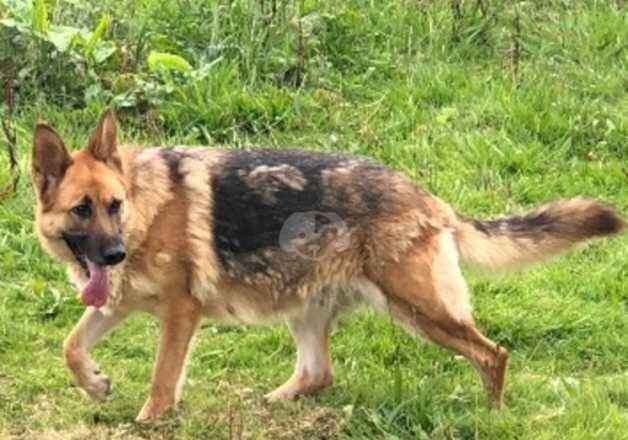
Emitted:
<point x="83" y="210"/>
<point x="114" y="207"/>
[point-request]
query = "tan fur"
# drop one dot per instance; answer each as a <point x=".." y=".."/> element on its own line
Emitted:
<point x="401" y="256"/>
<point x="563" y="224"/>
<point x="427" y="294"/>
<point x="265" y="180"/>
<point x="195" y="185"/>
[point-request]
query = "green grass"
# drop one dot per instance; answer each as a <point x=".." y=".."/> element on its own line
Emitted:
<point x="386" y="79"/>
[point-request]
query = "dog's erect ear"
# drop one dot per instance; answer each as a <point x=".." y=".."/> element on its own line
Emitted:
<point x="50" y="158"/>
<point x="103" y="143"/>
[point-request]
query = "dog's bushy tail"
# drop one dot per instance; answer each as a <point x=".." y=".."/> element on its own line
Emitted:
<point x="521" y="239"/>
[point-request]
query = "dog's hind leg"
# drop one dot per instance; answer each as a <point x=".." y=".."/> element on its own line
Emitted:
<point x="91" y="327"/>
<point x="179" y="321"/>
<point x="427" y="293"/>
<point x="310" y="329"/>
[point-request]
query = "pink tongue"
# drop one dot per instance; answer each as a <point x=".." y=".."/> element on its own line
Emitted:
<point x="95" y="291"/>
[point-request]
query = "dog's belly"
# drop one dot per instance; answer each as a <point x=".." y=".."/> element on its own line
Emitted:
<point x="241" y="310"/>
<point x="237" y="306"/>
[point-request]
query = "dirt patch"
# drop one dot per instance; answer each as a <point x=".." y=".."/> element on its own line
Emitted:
<point x="80" y="432"/>
<point x="247" y="416"/>
<point x="239" y="414"/>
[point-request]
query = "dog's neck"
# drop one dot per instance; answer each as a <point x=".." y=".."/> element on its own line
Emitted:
<point x="149" y="190"/>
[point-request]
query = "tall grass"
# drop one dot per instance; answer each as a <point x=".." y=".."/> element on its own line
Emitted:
<point x="489" y="114"/>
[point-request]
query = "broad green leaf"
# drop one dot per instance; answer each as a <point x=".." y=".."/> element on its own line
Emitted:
<point x="104" y="51"/>
<point x="40" y="16"/>
<point x="62" y="36"/>
<point x="167" y="61"/>
<point x="97" y="34"/>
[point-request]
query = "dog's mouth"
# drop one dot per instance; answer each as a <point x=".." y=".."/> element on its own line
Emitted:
<point x="96" y="290"/>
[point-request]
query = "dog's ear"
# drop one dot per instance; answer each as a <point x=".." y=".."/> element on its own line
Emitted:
<point x="50" y="158"/>
<point x="103" y="143"/>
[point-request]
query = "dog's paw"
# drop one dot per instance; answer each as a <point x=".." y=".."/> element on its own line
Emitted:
<point x="287" y="391"/>
<point x="144" y="417"/>
<point x="279" y="395"/>
<point x="153" y="410"/>
<point x="98" y="387"/>
<point x="299" y="385"/>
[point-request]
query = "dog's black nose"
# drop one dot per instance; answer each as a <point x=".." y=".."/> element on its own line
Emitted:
<point x="113" y="254"/>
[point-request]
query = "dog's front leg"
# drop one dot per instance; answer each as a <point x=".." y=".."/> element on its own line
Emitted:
<point x="178" y="325"/>
<point x="92" y="325"/>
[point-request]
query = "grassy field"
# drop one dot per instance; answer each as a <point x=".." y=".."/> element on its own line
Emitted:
<point x="493" y="107"/>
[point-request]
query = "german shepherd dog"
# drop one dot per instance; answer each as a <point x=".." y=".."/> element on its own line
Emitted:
<point x="258" y="235"/>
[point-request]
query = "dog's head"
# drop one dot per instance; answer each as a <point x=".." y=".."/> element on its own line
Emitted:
<point x="82" y="200"/>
